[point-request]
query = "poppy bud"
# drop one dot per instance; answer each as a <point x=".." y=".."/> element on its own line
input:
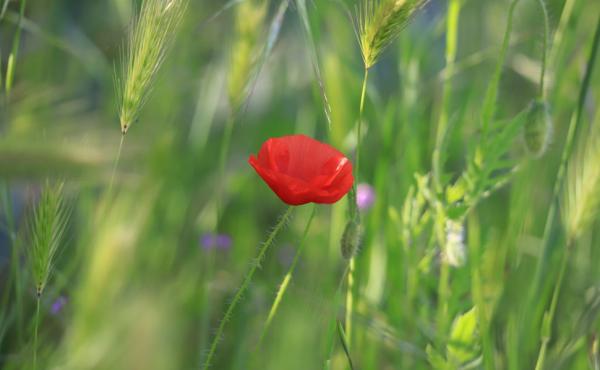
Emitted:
<point x="538" y="128"/>
<point x="351" y="239"/>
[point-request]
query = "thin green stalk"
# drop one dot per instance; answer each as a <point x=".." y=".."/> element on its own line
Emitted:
<point x="491" y="95"/>
<point x="545" y="39"/>
<point x="245" y="284"/>
<point x="288" y="276"/>
<point x="35" y="331"/>
<point x="549" y="316"/>
<point x="208" y="266"/>
<point x="332" y="328"/>
<point x="451" y="42"/>
<point x="15" y="264"/>
<point x="474" y="242"/>
<point x="349" y="301"/>
<point x="360" y="118"/>
<point x="560" y="30"/>
<point x="12" y="58"/>
<point x="568" y="148"/>
<point x="444" y="281"/>
<point x="4" y="7"/>
<point x="344" y="343"/>
<point x="351" y="262"/>
<point x="116" y="164"/>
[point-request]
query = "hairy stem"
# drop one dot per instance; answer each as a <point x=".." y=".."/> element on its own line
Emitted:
<point x="288" y="276"/>
<point x="245" y="284"/>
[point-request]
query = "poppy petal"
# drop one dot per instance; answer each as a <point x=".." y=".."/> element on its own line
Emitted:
<point x="301" y="170"/>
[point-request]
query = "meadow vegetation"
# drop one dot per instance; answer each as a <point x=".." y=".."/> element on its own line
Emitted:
<point x="134" y="234"/>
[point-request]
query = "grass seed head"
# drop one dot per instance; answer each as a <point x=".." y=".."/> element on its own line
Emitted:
<point x="149" y="39"/>
<point x="581" y="197"/>
<point x="46" y="227"/>
<point x="379" y="22"/>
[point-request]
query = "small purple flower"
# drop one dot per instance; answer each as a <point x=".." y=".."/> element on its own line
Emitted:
<point x="58" y="305"/>
<point x="218" y="241"/>
<point x="365" y="196"/>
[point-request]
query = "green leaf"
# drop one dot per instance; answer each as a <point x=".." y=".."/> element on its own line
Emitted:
<point x="464" y="338"/>
<point x="436" y="360"/>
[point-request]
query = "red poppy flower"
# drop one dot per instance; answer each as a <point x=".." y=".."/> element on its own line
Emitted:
<point x="301" y="170"/>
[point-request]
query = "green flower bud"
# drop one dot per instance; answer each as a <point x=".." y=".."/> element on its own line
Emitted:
<point x="351" y="239"/>
<point x="538" y="129"/>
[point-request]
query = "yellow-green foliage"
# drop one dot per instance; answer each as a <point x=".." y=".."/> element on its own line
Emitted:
<point x="581" y="197"/>
<point x="249" y="21"/>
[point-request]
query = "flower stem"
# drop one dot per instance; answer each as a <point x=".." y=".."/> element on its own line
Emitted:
<point x="245" y="284"/>
<point x="35" y="331"/>
<point x="288" y="277"/>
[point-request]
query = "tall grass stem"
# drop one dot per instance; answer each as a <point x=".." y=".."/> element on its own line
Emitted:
<point x="116" y="164"/>
<point x="568" y="148"/>
<point x="351" y="262"/>
<point x="35" y="331"/>
<point x="451" y="46"/>
<point x="12" y="57"/>
<point x="549" y="317"/>
<point x="491" y="94"/>
<point x="545" y="40"/>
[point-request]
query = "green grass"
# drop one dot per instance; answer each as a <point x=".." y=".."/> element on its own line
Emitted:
<point x="475" y="122"/>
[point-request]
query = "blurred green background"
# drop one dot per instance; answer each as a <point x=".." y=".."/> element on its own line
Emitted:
<point x="135" y="285"/>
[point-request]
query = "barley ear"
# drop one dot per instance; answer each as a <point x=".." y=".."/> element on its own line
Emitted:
<point x="581" y="197"/>
<point x="379" y="22"/>
<point x="249" y="27"/>
<point x="47" y="225"/>
<point x="150" y="36"/>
